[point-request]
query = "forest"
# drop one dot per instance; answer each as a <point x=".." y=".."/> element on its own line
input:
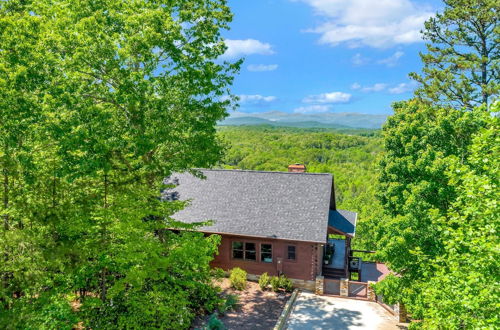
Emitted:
<point x="351" y="156"/>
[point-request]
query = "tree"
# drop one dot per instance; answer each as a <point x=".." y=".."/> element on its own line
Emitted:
<point x="468" y="272"/>
<point x="99" y="102"/>
<point x="425" y="237"/>
<point x="461" y="67"/>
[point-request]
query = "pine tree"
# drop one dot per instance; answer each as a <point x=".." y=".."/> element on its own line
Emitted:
<point x="462" y="63"/>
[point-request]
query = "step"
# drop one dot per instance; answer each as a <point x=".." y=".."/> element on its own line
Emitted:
<point x="333" y="272"/>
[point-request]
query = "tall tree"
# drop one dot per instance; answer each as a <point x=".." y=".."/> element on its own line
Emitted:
<point x="99" y="101"/>
<point x="469" y="270"/>
<point x="462" y="65"/>
<point x="424" y="236"/>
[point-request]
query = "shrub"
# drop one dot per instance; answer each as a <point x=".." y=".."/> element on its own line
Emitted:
<point x="217" y="273"/>
<point x="264" y="281"/>
<point x="229" y="304"/>
<point x="285" y="283"/>
<point x="238" y="278"/>
<point x="275" y="283"/>
<point x="214" y="323"/>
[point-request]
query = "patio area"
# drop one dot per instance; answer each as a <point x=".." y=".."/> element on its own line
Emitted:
<point x="312" y="312"/>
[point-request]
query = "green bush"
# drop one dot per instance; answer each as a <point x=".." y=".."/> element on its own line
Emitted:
<point x="264" y="281"/>
<point x="217" y="273"/>
<point x="275" y="283"/>
<point x="229" y="304"/>
<point x="214" y="323"/>
<point x="281" y="282"/>
<point x="238" y="278"/>
<point x="44" y="312"/>
<point x="285" y="283"/>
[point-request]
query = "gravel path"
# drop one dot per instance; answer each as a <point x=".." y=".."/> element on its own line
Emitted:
<point x="257" y="309"/>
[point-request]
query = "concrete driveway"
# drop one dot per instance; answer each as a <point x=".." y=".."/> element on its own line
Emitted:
<point x="320" y="312"/>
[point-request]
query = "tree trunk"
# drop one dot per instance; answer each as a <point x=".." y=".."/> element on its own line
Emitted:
<point x="6" y="197"/>
<point x="103" y="284"/>
<point x="484" y="68"/>
<point x="103" y="241"/>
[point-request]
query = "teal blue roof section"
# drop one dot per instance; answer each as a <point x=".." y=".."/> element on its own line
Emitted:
<point x="344" y="221"/>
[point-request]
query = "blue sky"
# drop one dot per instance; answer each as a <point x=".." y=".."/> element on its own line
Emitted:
<point x="313" y="56"/>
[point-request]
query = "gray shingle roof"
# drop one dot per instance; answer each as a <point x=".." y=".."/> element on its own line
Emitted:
<point x="344" y="221"/>
<point x="283" y="205"/>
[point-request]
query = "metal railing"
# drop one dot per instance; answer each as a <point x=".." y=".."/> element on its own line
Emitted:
<point x="358" y="289"/>
<point x="380" y="301"/>
<point x="331" y="286"/>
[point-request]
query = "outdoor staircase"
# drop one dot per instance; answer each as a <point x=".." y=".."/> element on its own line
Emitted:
<point x="333" y="273"/>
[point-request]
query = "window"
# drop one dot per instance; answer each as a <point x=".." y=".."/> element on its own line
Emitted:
<point x="244" y="251"/>
<point x="237" y="250"/>
<point x="250" y="252"/>
<point x="266" y="253"/>
<point x="291" y="252"/>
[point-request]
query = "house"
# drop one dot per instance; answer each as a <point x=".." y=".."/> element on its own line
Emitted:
<point x="274" y="222"/>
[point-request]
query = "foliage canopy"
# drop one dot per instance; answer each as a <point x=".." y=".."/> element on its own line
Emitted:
<point x="439" y="190"/>
<point x="99" y="101"/>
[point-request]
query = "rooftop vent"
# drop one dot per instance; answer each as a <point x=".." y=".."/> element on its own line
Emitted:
<point x="299" y="168"/>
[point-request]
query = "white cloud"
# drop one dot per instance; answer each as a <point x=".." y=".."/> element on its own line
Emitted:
<point x="262" y="67"/>
<point x="402" y="88"/>
<point x="379" y="87"/>
<point x="375" y="88"/>
<point x="355" y="86"/>
<point x="381" y="23"/>
<point x="333" y="97"/>
<point x="392" y="60"/>
<point x="256" y="98"/>
<point x="313" y="108"/>
<point x="239" y="48"/>
<point x="358" y="60"/>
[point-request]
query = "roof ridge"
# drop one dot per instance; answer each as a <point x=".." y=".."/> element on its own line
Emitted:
<point x="256" y="171"/>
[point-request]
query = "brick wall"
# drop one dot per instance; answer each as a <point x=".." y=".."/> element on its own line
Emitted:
<point x="305" y="267"/>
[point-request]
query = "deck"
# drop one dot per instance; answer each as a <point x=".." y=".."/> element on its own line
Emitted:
<point x="338" y="259"/>
<point x="337" y="266"/>
<point x="373" y="271"/>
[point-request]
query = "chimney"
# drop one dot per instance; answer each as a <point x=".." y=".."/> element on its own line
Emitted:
<point x="298" y="168"/>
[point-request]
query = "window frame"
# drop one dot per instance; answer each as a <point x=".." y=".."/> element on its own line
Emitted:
<point x="244" y="250"/>
<point x="272" y="254"/>
<point x="287" y="255"/>
<point x="254" y="250"/>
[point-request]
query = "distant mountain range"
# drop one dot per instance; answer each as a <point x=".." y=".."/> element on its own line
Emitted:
<point x="315" y="120"/>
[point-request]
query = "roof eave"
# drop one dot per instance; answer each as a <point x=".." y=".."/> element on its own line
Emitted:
<point x="262" y="237"/>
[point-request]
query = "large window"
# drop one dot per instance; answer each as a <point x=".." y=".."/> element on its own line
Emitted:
<point x="244" y="251"/>
<point x="237" y="250"/>
<point x="291" y="253"/>
<point x="250" y="252"/>
<point x="266" y="253"/>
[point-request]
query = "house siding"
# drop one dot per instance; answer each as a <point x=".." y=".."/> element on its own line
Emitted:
<point x="305" y="267"/>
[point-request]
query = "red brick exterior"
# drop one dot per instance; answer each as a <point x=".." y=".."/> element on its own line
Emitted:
<point x="307" y="264"/>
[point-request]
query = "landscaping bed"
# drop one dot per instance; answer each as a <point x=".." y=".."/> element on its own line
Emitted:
<point x="256" y="309"/>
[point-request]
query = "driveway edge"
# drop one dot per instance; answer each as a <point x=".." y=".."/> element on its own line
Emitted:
<point x="280" y="325"/>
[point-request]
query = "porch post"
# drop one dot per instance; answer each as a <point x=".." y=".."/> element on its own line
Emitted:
<point x="344" y="287"/>
<point x="346" y="256"/>
<point x="320" y="286"/>
<point x="370" y="291"/>
<point x="401" y="315"/>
